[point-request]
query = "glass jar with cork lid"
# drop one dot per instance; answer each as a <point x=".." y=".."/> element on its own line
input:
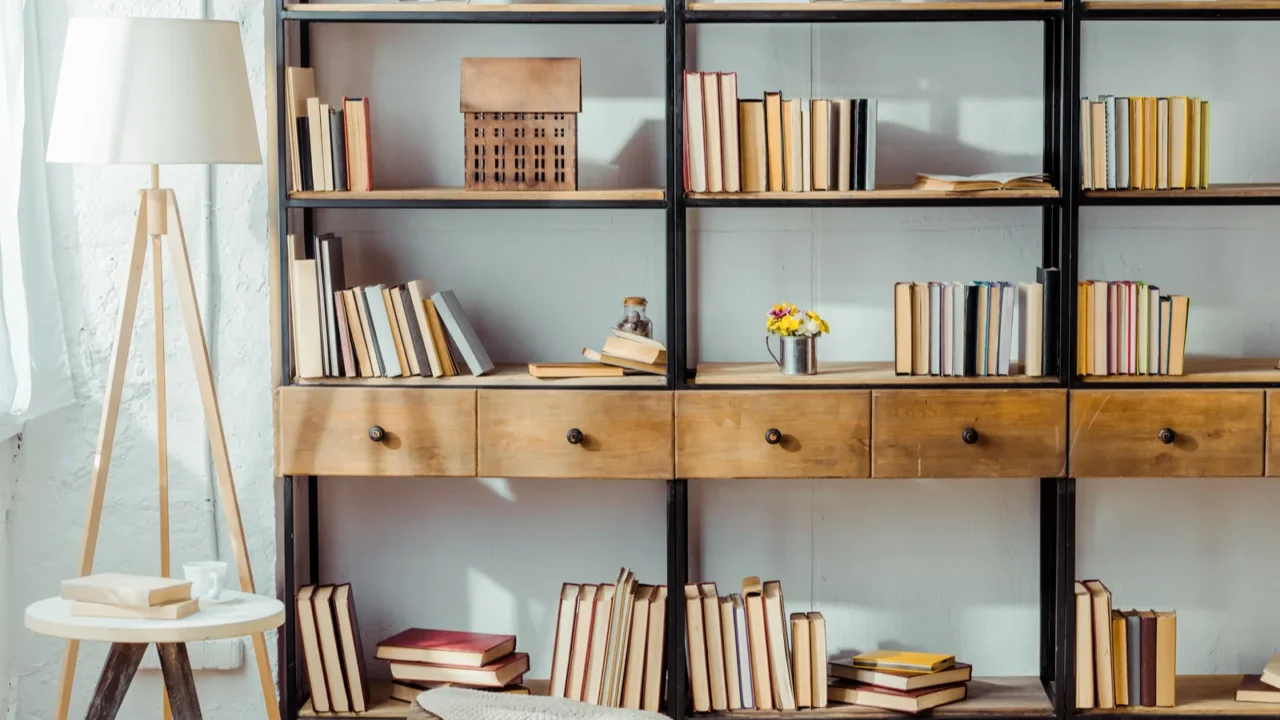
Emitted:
<point x="634" y="318"/>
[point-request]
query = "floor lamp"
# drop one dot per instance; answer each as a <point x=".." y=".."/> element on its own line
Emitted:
<point x="137" y="91"/>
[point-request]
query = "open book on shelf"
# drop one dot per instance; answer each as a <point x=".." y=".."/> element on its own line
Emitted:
<point x="986" y="181"/>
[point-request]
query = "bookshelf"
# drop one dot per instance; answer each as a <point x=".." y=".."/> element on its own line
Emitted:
<point x="992" y="405"/>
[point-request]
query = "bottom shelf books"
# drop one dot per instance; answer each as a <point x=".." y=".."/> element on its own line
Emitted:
<point x="911" y="682"/>
<point x="463" y="658"/>
<point x="1126" y="327"/>
<point x="1123" y="658"/>
<point x="609" y="642"/>
<point x="331" y="648"/>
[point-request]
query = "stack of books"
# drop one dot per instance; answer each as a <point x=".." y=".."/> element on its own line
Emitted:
<point x="739" y="653"/>
<point x="1144" y="143"/>
<point x="115" y="595"/>
<point x="375" y="330"/>
<point x="1127" y="327"/>
<point x="328" y="145"/>
<point x="910" y="682"/>
<point x="958" y="329"/>
<point x="624" y="353"/>
<point x="331" y="648"/>
<point x="1123" y="658"/>
<point x="1264" y="688"/>
<point x="424" y="659"/>
<point x="774" y="144"/>
<point x="609" y="643"/>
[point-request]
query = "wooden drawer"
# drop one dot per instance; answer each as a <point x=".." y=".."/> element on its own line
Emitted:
<point x="326" y="431"/>
<point x="1273" y="433"/>
<point x="623" y="434"/>
<point x="728" y="434"/>
<point x="968" y="433"/>
<point x="1215" y="433"/>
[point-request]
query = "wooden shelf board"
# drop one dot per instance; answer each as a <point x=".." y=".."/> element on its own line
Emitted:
<point x="461" y="8"/>
<point x="457" y="193"/>
<point x="988" y="697"/>
<point x="1176" y="5"/>
<point x="1207" y="370"/>
<point x="1230" y="190"/>
<point x="888" y="193"/>
<point x="504" y="375"/>
<point x="1207" y="695"/>
<point x="857" y="6"/>
<point x="382" y="706"/>
<point x="843" y="373"/>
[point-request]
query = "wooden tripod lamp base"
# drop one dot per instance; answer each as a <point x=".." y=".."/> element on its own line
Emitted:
<point x="159" y="220"/>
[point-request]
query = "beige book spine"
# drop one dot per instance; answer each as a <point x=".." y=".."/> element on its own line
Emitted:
<point x="696" y="638"/>
<point x="801" y="657"/>
<point x="729" y="641"/>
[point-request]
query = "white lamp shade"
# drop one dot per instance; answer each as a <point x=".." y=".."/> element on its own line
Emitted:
<point x="153" y="91"/>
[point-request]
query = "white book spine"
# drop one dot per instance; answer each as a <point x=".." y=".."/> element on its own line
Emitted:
<point x="729" y="120"/>
<point x="873" y="114"/>
<point x="806" y="148"/>
<point x="935" y="329"/>
<point x="695" y="141"/>
<point x="1003" y="358"/>
<point x="1110" y="105"/>
<point x="1153" y="330"/>
<point x="1086" y="142"/>
<point x="947" y="347"/>
<point x="1122" y="142"/>
<point x="744" y="658"/>
<point x="958" y="328"/>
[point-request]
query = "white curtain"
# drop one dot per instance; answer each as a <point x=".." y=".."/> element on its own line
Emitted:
<point x="34" y="373"/>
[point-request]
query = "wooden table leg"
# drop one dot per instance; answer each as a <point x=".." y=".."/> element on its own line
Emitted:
<point x="122" y="665"/>
<point x="178" y="681"/>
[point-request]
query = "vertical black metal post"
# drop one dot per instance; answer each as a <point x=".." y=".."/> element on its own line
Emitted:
<point x="1048" y="570"/>
<point x="1064" y="598"/>
<point x="287" y="673"/>
<point x="1069" y="184"/>
<point x="677" y="576"/>
<point x="677" y="252"/>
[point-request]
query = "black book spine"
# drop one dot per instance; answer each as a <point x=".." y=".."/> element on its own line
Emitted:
<point x="338" y="135"/>
<point x="971" y="330"/>
<point x="860" y="144"/>
<point x="1049" y="278"/>
<point x="304" y="154"/>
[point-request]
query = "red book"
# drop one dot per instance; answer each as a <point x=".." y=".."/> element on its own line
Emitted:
<point x="446" y="647"/>
<point x="503" y="672"/>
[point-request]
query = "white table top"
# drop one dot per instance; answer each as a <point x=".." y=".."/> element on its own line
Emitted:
<point x="243" y="614"/>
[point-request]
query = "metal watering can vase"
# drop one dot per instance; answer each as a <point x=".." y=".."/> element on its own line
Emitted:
<point x="796" y="356"/>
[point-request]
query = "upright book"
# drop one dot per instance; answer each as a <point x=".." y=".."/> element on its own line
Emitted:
<point x="462" y="333"/>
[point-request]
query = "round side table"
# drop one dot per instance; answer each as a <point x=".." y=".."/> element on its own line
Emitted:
<point x="241" y="614"/>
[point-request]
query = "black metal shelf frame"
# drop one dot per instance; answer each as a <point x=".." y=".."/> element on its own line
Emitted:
<point x="1060" y="248"/>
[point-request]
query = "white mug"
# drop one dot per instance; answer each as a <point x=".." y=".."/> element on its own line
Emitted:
<point x="208" y="578"/>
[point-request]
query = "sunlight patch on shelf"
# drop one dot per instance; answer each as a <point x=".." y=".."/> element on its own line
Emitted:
<point x="500" y="487"/>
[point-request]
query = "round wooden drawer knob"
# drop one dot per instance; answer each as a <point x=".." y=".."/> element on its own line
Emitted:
<point x="377" y="434"/>
<point x="1167" y="436"/>
<point x="969" y="436"/>
<point x="773" y="436"/>
<point x="574" y="436"/>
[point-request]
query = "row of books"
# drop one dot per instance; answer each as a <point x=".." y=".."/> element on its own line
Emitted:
<point x="1127" y="327"/>
<point x="774" y="144"/>
<point x="1123" y="658"/>
<point x="609" y="643"/>
<point x="375" y="330"/>
<point x="906" y="681"/>
<point x="1144" y="143"/>
<point x="740" y="657"/>
<point x="331" y="648"/>
<point x="966" y="330"/>
<point x="328" y="144"/>
<point x="423" y="659"/>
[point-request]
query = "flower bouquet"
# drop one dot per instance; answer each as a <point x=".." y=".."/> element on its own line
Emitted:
<point x="798" y="332"/>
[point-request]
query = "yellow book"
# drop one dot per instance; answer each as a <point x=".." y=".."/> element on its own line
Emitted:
<point x="1204" y="144"/>
<point x="1178" y="133"/>
<point x="1082" y="336"/>
<point x="1120" y="646"/>
<point x="1148" y="143"/>
<point x="1193" y="143"/>
<point x="1135" y="144"/>
<point x="904" y="660"/>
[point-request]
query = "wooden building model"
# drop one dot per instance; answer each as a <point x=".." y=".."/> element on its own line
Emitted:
<point x="521" y="122"/>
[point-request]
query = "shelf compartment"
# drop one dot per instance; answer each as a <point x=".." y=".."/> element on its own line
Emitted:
<point x="448" y="12"/>
<point x="846" y="374"/>
<point x="504" y="375"/>
<point x="1229" y="194"/>
<point x="1182" y="10"/>
<point x="1199" y="695"/>
<point x="460" y="198"/>
<point x="871" y="11"/>
<point x="1202" y="371"/>
<point x="885" y="197"/>
<point x="382" y="706"/>
<point x="989" y="697"/>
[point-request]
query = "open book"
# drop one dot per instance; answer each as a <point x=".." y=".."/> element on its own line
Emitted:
<point x="988" y="181"/>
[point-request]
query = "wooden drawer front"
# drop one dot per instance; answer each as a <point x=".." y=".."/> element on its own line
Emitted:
<point x="326" y="431"/>
<point x="1117" y="433"/>
<point x="968" y="433"/>
<point x="624" y="434"/>
<point x="722" y="434"/>
<point x="1273" y="433"/>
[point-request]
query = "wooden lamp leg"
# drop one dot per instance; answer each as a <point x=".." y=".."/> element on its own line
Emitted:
<point x="106" y="438"/>
<point x="217" y="438"/>
<point x="162" y="425"/>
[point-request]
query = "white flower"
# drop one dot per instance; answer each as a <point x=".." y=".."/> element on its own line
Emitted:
<point x="812" y="328"/>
